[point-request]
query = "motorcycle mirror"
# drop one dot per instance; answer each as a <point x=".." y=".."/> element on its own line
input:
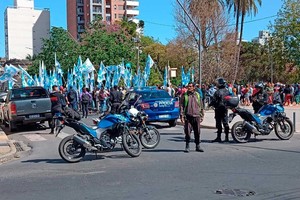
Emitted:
<point x="137" y="100"/>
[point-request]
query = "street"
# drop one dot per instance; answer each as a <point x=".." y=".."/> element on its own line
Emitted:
<point x="265" y="168"/>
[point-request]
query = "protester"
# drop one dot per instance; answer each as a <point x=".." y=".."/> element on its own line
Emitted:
<point x="103" y="94"/>
<point x="72" y="98"/>
<point x="85" y="99"/>
<point x="56" y="98"/>
<point x="191" y="114"/>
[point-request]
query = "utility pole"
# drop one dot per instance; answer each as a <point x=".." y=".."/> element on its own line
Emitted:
<point x="199" y="39"/>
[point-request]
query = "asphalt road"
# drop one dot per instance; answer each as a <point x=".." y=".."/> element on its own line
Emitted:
<point x="265" y="168"/>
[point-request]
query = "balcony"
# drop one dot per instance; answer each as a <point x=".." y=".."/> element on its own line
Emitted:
<point x="133" y="3"/>
<point x="133" y="12"/>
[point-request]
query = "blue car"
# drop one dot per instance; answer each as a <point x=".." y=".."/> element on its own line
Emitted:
<point x="158" y="104"/>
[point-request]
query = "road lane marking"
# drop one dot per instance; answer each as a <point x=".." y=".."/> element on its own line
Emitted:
<point x="34" y="137"/>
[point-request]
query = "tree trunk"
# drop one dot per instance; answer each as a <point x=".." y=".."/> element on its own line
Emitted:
<point x="236" y="37"/>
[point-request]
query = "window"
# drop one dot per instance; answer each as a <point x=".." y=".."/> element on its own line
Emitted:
<point x="27" y="93"/>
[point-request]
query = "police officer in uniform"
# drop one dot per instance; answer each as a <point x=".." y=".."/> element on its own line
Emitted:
<point x="221" y="112"/>
<point x="116" y="99"/>
<point x="259" y="98"/>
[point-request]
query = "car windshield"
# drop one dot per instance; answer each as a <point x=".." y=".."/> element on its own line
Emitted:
<point x="155" y="94"/>
<point x="25" y="93"/>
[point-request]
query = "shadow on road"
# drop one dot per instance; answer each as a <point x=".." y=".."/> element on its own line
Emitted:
<point x="52" y="161"/>
<point x="265" y="148"/>
<point x="162" y="150"/>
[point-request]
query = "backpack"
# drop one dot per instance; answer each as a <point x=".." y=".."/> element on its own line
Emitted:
<point x="85" y="98"/>
<point x="71" y="113"/>
<point x="71" y="95"/>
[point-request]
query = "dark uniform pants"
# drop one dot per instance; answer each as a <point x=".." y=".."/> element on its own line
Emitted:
<point x="221" y="116"/>
<point x="192" y="123"/>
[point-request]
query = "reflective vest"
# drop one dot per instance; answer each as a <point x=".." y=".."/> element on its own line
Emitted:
<point x="186" y="99"/>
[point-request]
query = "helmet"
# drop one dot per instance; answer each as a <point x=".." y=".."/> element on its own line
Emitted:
<point x="221" y="82"/>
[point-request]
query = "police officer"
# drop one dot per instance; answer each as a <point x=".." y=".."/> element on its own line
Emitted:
<point x="116" y="99"/>
<point x="221" y="112"/>
<point x="191" y="114"/>
<point x="56" y="104"/>
<point x="259" y="97"/>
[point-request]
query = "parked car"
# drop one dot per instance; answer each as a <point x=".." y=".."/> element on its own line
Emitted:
<point x="2" y="102"/>
<point x="26" y="105"/>
<point x="158" y="104"/>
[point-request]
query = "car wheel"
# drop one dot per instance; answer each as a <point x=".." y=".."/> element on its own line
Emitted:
<point x="12" y="127"/>
<point x="172" y="123"/>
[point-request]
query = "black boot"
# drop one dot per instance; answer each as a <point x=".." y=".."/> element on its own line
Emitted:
<point x="218" y="139"/>
<point x="198" y="148"/>
<point x="187" y="148"/>
<point x="226" y="138"/>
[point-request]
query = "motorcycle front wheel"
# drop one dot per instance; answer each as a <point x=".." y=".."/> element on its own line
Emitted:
<point x="150" y="138"/>
<point x="239" y="134"/>
<point x="284" y="129"/>
<point x="70" y="151"/>
<point x="131" y="144"/>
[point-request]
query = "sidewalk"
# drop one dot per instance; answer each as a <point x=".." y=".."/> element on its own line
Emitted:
<point x="7" y="148"/>
<point x="209" y="117"/>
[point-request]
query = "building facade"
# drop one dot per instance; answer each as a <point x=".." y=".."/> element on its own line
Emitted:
<point x="80" y="13"/>
<point x="25" y="27"/>
<point x="262" y="38"/>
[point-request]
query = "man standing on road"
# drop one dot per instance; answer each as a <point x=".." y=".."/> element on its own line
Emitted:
<point x="72" y="98"/>
<point x="56" y="105"/>
<point x="85" y="99"/>
<point x="221" y="112"/>
<point x="191" y="114"/>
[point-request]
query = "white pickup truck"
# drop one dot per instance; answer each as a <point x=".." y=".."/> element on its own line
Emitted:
<point x="28" y="105"/>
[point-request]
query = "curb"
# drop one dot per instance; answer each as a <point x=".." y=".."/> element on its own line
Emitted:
<point x="10" y="155"/>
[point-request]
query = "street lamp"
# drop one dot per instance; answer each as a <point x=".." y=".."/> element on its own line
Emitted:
<point x="199" y="40"/>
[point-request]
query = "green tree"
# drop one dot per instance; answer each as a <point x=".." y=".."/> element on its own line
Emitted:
<point x="61" y="43"/>
<point x="240" y="9"/>
<point x="110" y="43"/>
<point x="285" y="42"/>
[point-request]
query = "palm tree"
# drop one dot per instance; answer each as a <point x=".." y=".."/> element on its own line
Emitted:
<point x="240" y="9"/>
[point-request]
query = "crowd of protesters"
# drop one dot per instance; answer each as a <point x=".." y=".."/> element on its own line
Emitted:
<point x="287" y="94"/>
<point x="88" y="101"/>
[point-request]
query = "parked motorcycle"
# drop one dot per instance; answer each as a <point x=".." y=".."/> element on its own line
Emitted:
<point x="149" y="135"/>
<point x="269" y="117"/>
<point x="111" y="130"/>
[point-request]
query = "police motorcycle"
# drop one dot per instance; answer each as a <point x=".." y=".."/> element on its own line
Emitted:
<point x="269" y="117"/>
<point x="149" y="136"/>
<point x="111" y="129"/>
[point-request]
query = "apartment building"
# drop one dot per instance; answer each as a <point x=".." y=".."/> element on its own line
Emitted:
<point x="263" y="37"/>
<point x="81" y="12"/>
<point x="25" y="27"/>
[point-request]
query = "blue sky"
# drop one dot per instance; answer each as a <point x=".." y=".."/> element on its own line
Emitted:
<point x="157" y="14"/>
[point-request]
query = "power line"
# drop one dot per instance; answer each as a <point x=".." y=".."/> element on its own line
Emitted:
<point x="246" y="22"/>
